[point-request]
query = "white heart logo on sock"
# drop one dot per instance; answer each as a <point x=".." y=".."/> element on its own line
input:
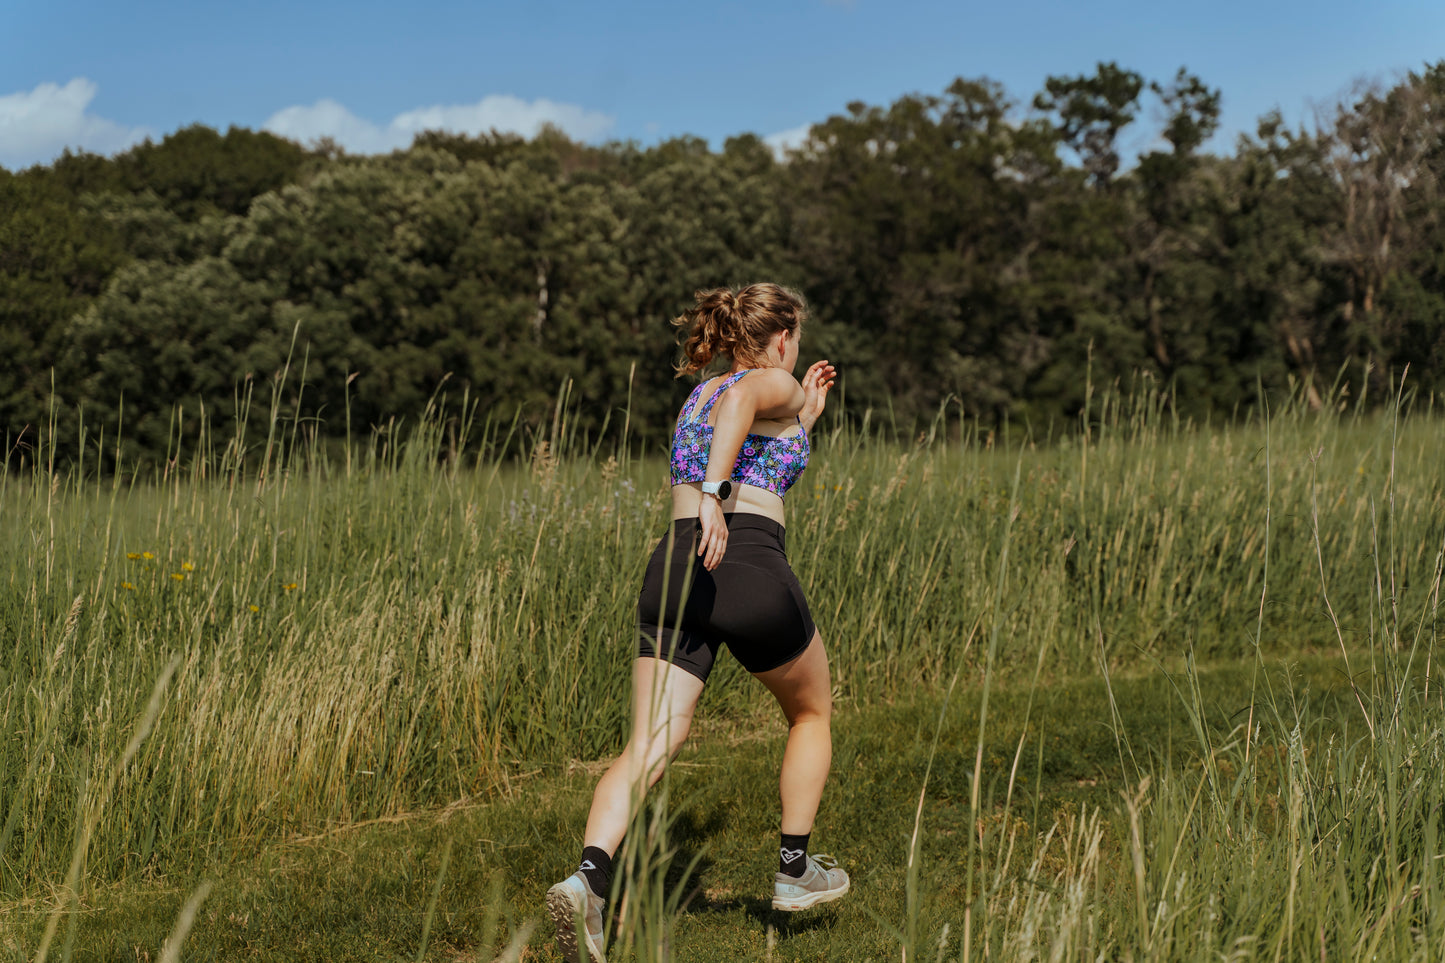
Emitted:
<point x="587" y="864"/>
<point x="790" y="855"/>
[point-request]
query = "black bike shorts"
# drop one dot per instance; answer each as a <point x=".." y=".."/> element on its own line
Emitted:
<point x="751" y="602"/>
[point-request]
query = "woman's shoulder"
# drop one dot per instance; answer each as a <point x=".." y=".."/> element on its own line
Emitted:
<point x="775" y="392"/>
<point x="771" y="378"/>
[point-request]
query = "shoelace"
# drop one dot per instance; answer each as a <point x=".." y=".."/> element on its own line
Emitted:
<point x="823" y="860"/>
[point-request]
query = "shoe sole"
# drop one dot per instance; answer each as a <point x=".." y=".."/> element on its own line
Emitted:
<point x="812" y="899"/>
<point x="565" y="915"/>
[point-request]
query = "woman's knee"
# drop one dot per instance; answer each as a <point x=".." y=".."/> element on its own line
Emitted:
<point x="820" y="714"/>
<point x="676" y="736"/>
<point x="651" y="754"/>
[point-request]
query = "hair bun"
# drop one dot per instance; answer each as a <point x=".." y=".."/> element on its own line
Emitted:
<point x="719" y="302"/>
<point x="738" y="323"/>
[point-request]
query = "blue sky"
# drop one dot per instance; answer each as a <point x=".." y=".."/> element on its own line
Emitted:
<point x="83" y="73"/>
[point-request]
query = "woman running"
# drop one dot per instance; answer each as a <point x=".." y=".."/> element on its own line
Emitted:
<point x="719" y="577"/>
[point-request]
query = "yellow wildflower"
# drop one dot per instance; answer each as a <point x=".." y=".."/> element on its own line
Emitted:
<point x="127" y="586"/>
<point x="289" y="586"/>
<point x="187" y="567"/>
<point x="132" y="555"/>
<point x="255" y="608"/>
<point x="147" y="555"/>
<point x="178" y="576"/>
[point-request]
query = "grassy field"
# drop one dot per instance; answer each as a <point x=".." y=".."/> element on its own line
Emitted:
<point x="1160" y="692"/>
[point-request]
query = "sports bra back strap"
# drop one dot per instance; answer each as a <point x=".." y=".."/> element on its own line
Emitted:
<point x="727" y="383"/>
<point x="691" y="403"/>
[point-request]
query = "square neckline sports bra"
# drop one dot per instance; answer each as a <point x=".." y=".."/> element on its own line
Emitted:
<point x="772" y="463"/>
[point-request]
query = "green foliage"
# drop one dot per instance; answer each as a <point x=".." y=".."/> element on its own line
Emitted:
<point x="55" y="258"/>
<point x="954" y="250"/>
<point x="197" y="171"/>
<point x="1090" y="112"/>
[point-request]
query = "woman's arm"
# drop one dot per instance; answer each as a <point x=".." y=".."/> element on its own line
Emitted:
<point x="767" y="393"/>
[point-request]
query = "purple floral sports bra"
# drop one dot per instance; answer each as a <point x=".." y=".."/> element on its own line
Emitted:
<point x="772" y="464"/>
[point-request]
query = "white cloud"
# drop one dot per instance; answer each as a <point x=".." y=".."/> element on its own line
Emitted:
<point x="36" y="125"/>
<point x="327" y="118"/>
<point x="786" y="140"/>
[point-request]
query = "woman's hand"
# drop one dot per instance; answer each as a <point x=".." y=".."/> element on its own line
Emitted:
<point x="714" y="539"/>
<point x="817" y="382"/>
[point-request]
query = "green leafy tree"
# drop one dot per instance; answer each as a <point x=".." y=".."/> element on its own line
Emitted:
<point x="1276" y="205"/>
<point x="1379" y="152"/>
<point x="55" y="257"/>
<point x="912" y="224"/>
<point x="1090" y="112"/>
<point x="197" y="171"/>
<point x="952" y="250"/>
<point x="1173" y="235"/>
<point x="163" y="338"/>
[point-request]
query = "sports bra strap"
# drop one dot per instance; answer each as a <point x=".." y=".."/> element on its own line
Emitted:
<point x="727" y="383"/>
<point x="691" y="403"/>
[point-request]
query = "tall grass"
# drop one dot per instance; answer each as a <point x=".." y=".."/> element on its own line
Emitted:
<point x="1296" y="836"/>
<point x="1306" y="838"/>
<point x="400" y="624"/>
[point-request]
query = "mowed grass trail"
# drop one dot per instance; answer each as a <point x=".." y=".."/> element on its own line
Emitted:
<point x="362" y="892"/>
<point x="271" y="670"/>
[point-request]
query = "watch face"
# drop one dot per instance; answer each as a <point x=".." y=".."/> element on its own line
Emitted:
<point x="724" y="490"/>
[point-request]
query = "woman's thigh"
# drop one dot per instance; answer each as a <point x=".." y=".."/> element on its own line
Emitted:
<point x="664" y="698"/>
<point x="803" y="687"/>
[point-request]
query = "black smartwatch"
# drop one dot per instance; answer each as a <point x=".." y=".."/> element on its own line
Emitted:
<point x="721" y="489"/>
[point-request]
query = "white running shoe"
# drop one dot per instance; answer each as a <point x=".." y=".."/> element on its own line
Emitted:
<point x="567" y="902"/>
<point x="821" y="882"/>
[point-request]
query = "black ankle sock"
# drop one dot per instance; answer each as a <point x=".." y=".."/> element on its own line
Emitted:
<point x="597" y="867"/>
<point x="793" y="855"/>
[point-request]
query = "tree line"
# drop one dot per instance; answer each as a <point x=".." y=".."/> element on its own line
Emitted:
<point x="961" y="248"/>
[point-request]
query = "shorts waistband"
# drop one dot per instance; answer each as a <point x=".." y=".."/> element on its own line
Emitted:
<point x="736" y="521"/>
